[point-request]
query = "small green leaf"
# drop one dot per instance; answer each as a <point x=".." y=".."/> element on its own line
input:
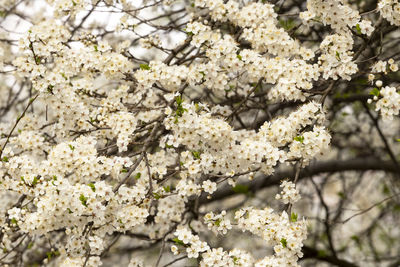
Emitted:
<point x="299" y="139"/>
<point x="167" y="188"/>
<point x="398" y="140"/>
<point x="179" y="100"/>
<point x="293" y="217"/>
<point x="83" y="200"/>
<point x="341" y="195"/>
<point x="156" y="195"/>
<point x="338" y="56"/>
<point x="168" y="146"/>
<point x="30" y="245"/>
<point x="35" y="180"/>
<point x="138" y="175"/>
<point x="14" y="221"/>
<point x="71" y="147"/>
<point x="144" y="67"/>
<point x="178" y="241"/>
<point x="284" y="242"/>
<point x="239" y="57"/>
<point x="196" y="154"/>
<point x="375" y="92"/>
<point x="124" y="170"/>
<point x="5" y="159"/>
<point x="358" y="28"/>
<point x="241" y="189"/>
<point x="217" y="222"/>
<point x="91" y="185"/>
<point x="96" y="48"/>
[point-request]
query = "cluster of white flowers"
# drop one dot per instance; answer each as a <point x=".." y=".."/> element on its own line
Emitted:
<point x="390" y="10"/>
<point x="284" y="233"/>
<point x="282" y="131"/>
<point x="85" y="163"/>
<point x="170" y="77"/>
<point x="213" y="142"/>
<point x="210" y="257"/>
<point x="336" y="59"/>
<point x="389" y="102"/>
<point x="289" y="193"/>
<point x="195" y="245"/>
<point x="339" y="16"/>
<point x="259" y="23"/>
<point x="149" y="42"/>
<point x="382" y="66"/>
<point x="310" y="144"/>
<point x="217" y="222"/>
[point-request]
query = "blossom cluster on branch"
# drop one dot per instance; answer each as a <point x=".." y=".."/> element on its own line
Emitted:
<point x="117" y="132"/>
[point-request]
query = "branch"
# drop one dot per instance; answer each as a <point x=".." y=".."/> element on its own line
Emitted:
<point x="332" y="166"/>
<point x="310" y="252"/>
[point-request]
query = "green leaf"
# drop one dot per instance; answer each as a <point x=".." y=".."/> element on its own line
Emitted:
<point x="71" y="147"/>
<point x="375" y="92"/>
<point x="91" y="185"/>
<point x="284" y="242"/>
<point x="167" y="188"/>
<point x="124" y="170"/>
<point x="338" y="56"/>
<point x="35" y="180"/>
<point x="156" y="195"/>
<point x="137" y="176"/>
<point x="398" y="140"/>
<point x="241" y="189"/>
<point x="30" y="245"/>
<point x="5" y="159"/>
<point x="196" y="154"/>
<point x="168" y="146"/>
<point x="178" y="241"/>
<point x="144" y="67"/>
<point x="341" y="195"/>
<point x="83" y="200"/>
<point x="239" y="57"/>
<point x="287" y="24"/>
<point x="299" y="139"/>
<point x="358" y="28"/>
<point x="217" y="222"/>
<point x="293" y="217"/>
<point x="69" y="210"/>
<point x="178" y="100"/>
<point x="14" y="221"/>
